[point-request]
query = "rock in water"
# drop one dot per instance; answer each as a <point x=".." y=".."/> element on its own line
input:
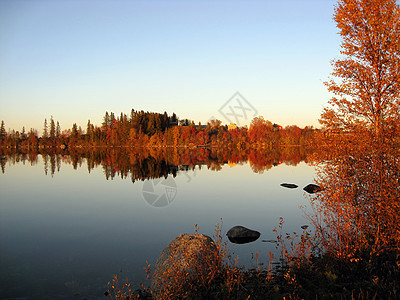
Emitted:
<point x="242" y="235"/>
<point x="183" y="263"/>
<point x="312" y="188"/>
<point x="289" y="185"/>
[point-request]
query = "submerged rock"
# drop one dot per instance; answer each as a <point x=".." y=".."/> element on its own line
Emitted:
<point x="184" y="261"/>
<point x="242" y="235"/>
<point x="312" y="188"/>
<point x="269" y="241"/>
<point x="289" y="185"/>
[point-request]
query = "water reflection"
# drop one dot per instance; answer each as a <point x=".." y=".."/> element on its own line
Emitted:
<point x="69" y="234"/>
<point x="139" y="164"/>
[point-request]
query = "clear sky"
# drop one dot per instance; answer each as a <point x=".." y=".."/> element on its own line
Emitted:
<point x="76" y="60"/>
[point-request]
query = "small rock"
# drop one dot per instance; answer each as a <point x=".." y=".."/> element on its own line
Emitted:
<point x="242" y="235"/>
<point x="289" y="185"/>
<point x="312" y="188"/>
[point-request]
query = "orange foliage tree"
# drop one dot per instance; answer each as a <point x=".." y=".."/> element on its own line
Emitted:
<point x="367" y="77"/>
<point x="357" y="211"/>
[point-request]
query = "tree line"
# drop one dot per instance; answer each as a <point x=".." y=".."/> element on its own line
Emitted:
<point x="149" y="129"/>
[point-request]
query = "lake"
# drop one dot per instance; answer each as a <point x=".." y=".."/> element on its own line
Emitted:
<point x="68" y="223"/>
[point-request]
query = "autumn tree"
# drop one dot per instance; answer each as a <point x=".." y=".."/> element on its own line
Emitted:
<point x="358" y="208"/>
<point x="212" y="126"/>
<point x="261" y="131"/>
<point x="366" y="81"/>
<point x="33" y="137"/>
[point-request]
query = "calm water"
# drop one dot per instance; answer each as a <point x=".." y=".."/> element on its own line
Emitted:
<point x="65" y="235"/>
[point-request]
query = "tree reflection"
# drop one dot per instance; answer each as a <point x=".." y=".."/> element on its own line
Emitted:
<point x="149" y="163"/>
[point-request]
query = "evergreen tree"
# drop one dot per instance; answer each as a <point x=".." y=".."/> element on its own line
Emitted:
<point x="112" y="118"/>
<point x="151" y="128"/>
<point x="106" y="120"/>
<point x="74" y="133"/>
<point x="58" y="130"/>
<point x="52" y="128"/>
<point x="165" y="121"/>
<point x="23" y="133"/>
<point x="3" y="132"/>
<point x="90" y="131"/>
<point x="45" y="134"/>
<point x="133" y="115"/>
<point x="88" y="127"/>
<point x="174" y="119"/>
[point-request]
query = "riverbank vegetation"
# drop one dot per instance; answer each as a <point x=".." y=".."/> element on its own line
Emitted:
<point x="147" y="129"/>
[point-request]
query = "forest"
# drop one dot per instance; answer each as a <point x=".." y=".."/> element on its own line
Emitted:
<point x="351" y="250"/>
<point x="149" y="129"/>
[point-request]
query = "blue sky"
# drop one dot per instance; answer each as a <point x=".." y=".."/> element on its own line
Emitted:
<point x="77" y="59"/>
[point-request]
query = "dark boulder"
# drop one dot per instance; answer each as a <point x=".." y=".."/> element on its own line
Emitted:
<point x="289" y="185"/>
<point x="312" y="188"/>
<point x="242" y="235"/>
<point x="183" y="263"/>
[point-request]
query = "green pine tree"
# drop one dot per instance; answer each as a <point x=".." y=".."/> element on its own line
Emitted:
<point x="3" y="132"/>
<point x="45" y="134"/>
<point x="52" y="128"/>
<point x="58" y="130"/>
